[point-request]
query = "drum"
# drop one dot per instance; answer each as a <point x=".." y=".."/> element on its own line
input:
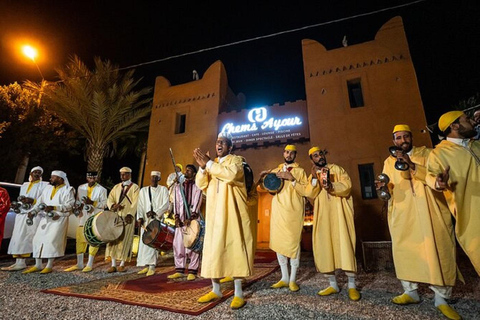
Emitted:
<point x="272" y="183"/>
<point x="104" y="227"/>
<point x="193" y="235"/>
<point x="158" y="236"/>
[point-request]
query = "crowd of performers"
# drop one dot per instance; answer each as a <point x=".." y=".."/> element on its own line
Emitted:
<point x="433" y="201"/>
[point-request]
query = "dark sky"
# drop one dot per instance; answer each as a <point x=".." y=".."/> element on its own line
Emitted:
<point x="443" y="37"/>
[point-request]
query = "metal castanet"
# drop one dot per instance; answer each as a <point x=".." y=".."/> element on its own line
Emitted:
<point x="41" y="207"/>
<point x="399" y="164"/>
<point x="383" y="192"/>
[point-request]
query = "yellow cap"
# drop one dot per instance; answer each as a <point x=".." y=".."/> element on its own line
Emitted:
<point x="401" y="127"/>
<point x="290" y="147"/>
<point x="448" y="118"/>
<point x="312" y="150"/>
<point x="180" y="166"/>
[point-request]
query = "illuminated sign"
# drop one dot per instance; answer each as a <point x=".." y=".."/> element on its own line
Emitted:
<point x="266" y="125"/>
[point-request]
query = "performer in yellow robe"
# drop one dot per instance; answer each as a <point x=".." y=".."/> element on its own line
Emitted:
<point x="333" y="233"/>
<point x="123" y="200"/>
<point x="227" y="247"/>
<point x="454" y="168"/>
<point x="286" y="220"/>
<point x="423" y="241"/>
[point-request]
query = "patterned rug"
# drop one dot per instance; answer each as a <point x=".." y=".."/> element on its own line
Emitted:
<point x="158" y="291"/>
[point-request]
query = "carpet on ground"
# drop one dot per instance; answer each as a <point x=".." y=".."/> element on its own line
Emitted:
<point x="159" y="292"/>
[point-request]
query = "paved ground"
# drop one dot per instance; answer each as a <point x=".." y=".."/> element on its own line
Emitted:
<point x="21" y="298"/>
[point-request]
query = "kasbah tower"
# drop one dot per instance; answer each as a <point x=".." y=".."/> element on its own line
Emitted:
<point x="354" y="97"/>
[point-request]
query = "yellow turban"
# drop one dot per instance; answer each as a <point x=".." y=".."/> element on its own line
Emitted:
<point x="180" y="166"/>
<point x="448" y="118"/>
<point x="401" y="127"/>
<point x="126" y="170"/>
<point x="312" y="150"/>
<point x="290" y="147"/>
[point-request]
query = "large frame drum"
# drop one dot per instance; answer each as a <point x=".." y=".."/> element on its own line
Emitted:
<point x="104" y="227"/>
<point x="158" y="236"/>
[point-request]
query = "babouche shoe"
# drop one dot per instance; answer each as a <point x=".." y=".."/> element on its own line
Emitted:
<point x="237" y="303"/>
<point x="404" y="299"/>
<point x="279" y="284"/>
<point x="328" y="291"/>
<point x="208" y="297"/>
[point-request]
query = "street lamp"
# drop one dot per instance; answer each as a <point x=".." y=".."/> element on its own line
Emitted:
<point x="32" y="53"/>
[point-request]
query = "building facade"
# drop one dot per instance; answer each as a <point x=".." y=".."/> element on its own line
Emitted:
<point x="354" y="97"/>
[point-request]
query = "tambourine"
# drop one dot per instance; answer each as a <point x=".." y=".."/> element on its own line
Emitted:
<point x="272" y="183"/>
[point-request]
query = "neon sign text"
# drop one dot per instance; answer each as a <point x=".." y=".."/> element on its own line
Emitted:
<point x="259" y="115"/>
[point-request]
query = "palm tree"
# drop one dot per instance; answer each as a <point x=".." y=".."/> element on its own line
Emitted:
<point x="101" y="105"/>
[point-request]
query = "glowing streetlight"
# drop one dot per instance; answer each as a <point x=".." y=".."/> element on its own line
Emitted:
<point x="32" y="53"/>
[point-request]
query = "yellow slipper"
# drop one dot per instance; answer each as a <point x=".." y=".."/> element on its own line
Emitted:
<point x="150" y="272"/>
<point x="46" y="270"/>
<point x="293" y="286"/>
<point x="208" y="297"/>
<point x="72" y="268"/>
<point x="191" y="277"/>
<point x="226" y="279"/>
<point x="279" y="284"/>
<point x="404" y="299"/>
<point x="143" y="271"/>
<point x="121" y="269"/>
<point x="87" y="269"/>
<point x="328" y="291"/>
<point x="237" y="303"/>
<point x="449" y="312"/>
<point x="176" y="275"/>
<point x="32" y="269"/>
<point x="353" y="294"/>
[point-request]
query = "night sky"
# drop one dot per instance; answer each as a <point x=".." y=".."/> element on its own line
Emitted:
<point x="443" y="37"/>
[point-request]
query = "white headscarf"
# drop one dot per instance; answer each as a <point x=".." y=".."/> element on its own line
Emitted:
<point x="62" y="175"/>
<point x="33" y="169"/>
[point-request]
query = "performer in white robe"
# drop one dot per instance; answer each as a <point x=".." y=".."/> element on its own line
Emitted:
<point x="50" y="238"/>
<point x="152" y="204"/>
<point x="21" y="246"/>
<point x="93" y="197"/>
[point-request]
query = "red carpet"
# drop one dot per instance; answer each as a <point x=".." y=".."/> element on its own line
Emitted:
<point x="159" y="292"/>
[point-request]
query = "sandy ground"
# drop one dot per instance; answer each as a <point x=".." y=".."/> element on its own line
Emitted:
<point x="21" y="298"/>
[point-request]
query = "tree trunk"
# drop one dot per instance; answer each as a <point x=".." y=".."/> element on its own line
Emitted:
<point x="95" y="155"/>
<point x="22" y="169"/>
<point x="141" y="171"/>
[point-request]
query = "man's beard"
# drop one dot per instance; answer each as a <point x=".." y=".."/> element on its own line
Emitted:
<point x="289" y="161"/>
<point x="467" y="133"/>
<point x="321" y="163"/>
<point x="407" y="148"/>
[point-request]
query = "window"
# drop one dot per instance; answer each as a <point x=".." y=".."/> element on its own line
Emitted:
<point x="355" y="95"/>
<point x="180" y="123"/>
<point x="367" y="181"/>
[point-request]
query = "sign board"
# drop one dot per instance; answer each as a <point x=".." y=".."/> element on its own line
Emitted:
<point x="266" y="125"/>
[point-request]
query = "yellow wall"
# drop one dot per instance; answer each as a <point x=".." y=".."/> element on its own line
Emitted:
<point x="352" y="136"/>
<point x="362" y="135"/>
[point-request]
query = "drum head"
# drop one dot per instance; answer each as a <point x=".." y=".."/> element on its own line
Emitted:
<point x="272" y="183"/>
<point x="191" y="233"/>
<point x="107" y="226"/>
<point x="150" y="235"/>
